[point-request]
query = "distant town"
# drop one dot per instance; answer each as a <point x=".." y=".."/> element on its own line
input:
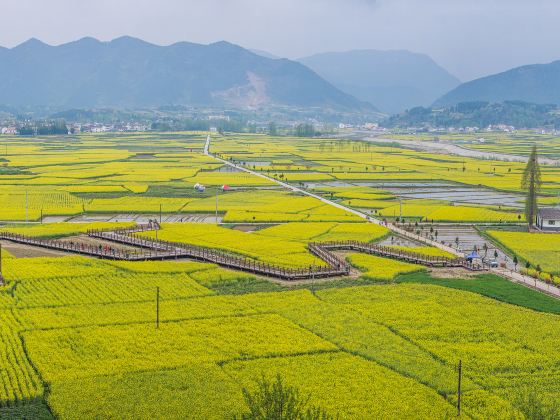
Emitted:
<point x="61" y="127"/>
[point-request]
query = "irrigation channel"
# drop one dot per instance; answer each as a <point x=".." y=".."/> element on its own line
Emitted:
<point x="156" y="249"/>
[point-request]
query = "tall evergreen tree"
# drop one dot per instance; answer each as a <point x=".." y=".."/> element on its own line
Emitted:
<point x="531" y="182"/>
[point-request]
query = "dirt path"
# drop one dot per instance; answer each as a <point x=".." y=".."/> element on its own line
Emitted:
<point x="87" y="240"/>
<point x="452" y="273"/>
<point x="26" y="251"/>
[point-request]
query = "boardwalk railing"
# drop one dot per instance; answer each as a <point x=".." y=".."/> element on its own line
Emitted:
<point x="77" y="247"/>
<point x="403" y="255"/>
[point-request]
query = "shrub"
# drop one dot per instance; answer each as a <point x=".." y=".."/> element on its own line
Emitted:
<point x="278" y="401"/>
<point x="545" y="277"/>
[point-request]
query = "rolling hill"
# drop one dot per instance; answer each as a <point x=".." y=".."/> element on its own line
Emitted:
<point x="131" y="73"/>
<point x="392" y="80"/>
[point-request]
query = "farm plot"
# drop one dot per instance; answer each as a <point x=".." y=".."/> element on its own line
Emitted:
<point x="361" y="384"/>
<point x="110" y="174"/>
<point x="202" y="389"/>
<point x="361" y="161"/>
<point x="504" y="362"/>
<point x="85" y="329"/>
<point x="284" y="245"/>
<point x="18" y="379"/>
<point x="381" y="269"/>
<point x="74" y="281"/>
<point x="468" y="189"/>
<point x="541" y="249"/>
<point x="393" y="337"/>
<point x="440" y="212"/>
<point x="129" y="348"/>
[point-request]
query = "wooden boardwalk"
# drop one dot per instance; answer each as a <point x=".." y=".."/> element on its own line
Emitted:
<point x="403" y="255"/>
<point x="334" y="265"/>
<point x="155" y="249"/>
<point x="82" y="248"/>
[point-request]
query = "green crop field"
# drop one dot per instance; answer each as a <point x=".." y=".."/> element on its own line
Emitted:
<point x="86" y="328"/>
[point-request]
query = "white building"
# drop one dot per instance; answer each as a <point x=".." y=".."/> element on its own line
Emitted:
<point x="9" y="130"/>
<point x="548" y="219"/>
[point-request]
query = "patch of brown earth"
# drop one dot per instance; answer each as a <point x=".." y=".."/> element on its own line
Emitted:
<point x="27" y="251"/>
<point x="84" y="239"/>
<point x="452" y="273"/>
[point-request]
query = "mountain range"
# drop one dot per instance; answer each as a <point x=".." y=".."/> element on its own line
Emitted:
<point x="537" y="83"/>
<point x="129" y="72"/>
<point x="392" y="80"/>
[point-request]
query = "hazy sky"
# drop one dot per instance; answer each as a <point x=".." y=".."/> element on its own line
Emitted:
<point x="470" y="38"/>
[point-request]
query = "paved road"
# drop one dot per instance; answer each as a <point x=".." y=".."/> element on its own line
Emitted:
<point x="508" y="274"/>
<point x="446" y="148"/>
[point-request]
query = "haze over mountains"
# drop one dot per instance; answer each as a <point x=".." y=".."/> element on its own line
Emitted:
<point x="129" y="72"/>
<point x="392" y="80"/>
<point x="537" y="83"/>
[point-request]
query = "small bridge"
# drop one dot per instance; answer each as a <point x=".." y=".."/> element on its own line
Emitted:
<point x="141" y="248"/>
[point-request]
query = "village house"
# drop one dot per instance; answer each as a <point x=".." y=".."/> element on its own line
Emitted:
<point x="548" y="219"/>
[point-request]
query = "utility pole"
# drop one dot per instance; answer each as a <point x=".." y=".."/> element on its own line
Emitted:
<point x="217" y="191"/>
<point x="157" y="307"/>
<point x="160" y="210"/>
<point x="26" y="207"/>
<point x="459" y="389"/>
<point x="313" y="276"/>
<point x="1" y="277"/>
<point x="313" y="282"/>
<point x="41" y="215"/>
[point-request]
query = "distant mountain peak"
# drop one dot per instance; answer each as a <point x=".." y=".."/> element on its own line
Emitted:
<point x="31" y="43"/>
<point x="223" y="43"/>
<point x="227" y="46"/>
<point x="130" y="41"/>
<point x="89" y="39"/>
<point x="534" y="83"/>
<point x="394" y="80"/>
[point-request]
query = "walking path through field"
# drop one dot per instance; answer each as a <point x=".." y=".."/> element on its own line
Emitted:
<point x="506" y="273"/>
